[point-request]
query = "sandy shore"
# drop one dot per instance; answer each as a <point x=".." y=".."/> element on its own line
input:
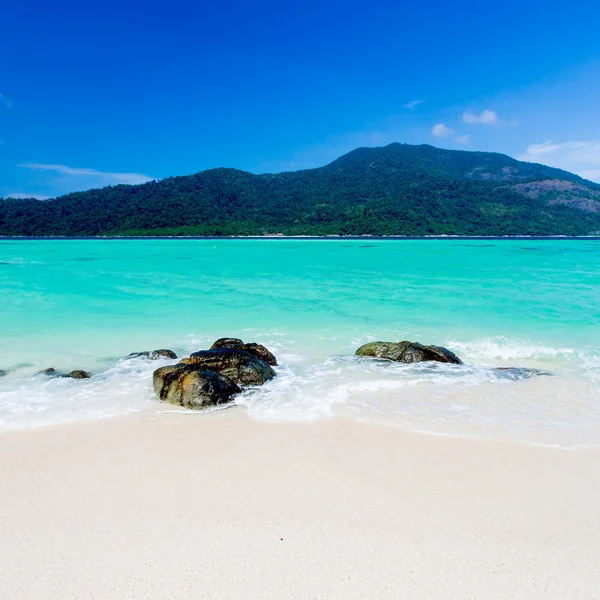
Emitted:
<point x="218" y="506"/>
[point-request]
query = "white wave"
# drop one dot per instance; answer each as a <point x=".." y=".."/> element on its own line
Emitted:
<point x="35" y="401"/>
<point x="502" y="349"/>
<point x="471" y="400"/>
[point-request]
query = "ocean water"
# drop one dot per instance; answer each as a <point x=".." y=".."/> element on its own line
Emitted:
<point x="529" y="303"/>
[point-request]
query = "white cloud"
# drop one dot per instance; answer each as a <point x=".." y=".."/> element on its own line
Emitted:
<point x="101" y="177"/>
<point x="413" y="104"/>
<point x="578" y="157"/>
<point x="486" y="117"/>
<point x="463" y="139"/>
<point x="441" y="130"/>
<point x="26" y="196"/>
<point x="5" y="101"/>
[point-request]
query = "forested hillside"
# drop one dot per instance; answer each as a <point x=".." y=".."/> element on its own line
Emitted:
<point x="395" y="190"/>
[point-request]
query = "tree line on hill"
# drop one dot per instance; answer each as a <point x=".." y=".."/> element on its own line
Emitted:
<point x="396" y="190"/>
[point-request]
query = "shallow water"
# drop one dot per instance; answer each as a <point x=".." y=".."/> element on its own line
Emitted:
<point x="535" y="303"/>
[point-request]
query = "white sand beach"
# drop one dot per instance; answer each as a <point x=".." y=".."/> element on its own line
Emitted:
<point x="215" y="506"/>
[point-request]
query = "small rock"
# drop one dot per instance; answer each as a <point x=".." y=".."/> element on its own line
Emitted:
<point x="78" y="374"/>
<point x="3" y="373"/>
<point x="154" y="354"/>
<point x="50" y="371"/>
<point x="518" y="373"/>
<point x="408" y="352"/>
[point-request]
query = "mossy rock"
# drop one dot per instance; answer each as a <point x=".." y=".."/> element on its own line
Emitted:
<point x="193" y="387"/>
<point x="240" y="366"/>
<point x="258" y="350"/>
<point x="408" y="352"/>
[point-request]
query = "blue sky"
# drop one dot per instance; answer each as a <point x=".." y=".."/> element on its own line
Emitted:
<point x="97" y="93"/>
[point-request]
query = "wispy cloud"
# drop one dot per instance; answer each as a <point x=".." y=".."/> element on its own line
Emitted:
<point x="442" y="130"/>
<point x="463" y="139"/>
<point x="486" y="117"/>
<point x="413" y="104"/>
<point x="579" y="157"/>
<point x="4" y="100"/>
<point x="26" y="196"/>
<point x="102" y="177"/>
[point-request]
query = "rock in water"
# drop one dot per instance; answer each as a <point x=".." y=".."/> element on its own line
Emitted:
<point x="228" y="343"/>
<point x="261" y="352"/>
<point x="153" y="354"/>
<point x="408" y="352"/>
<point x="191" y="386"/>
<point x="49" y="371"/>
<point x="240" y="366"/>
<point x="257" y="350"/>
<point x="78" y="374"/>
<point x="3" y="373"/>
<point x="518" y="373"/>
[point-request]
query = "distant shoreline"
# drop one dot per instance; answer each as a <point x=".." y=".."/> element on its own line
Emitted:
<point x="306" y="237"/>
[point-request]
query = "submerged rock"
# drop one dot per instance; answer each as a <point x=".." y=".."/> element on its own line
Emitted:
<point x="153" y="354"/>
<point x="408" y="352"/>
<point x="49" y="371"/>
<point x="517" y="373"/>
<point x="239" y="365"/>
<point x="192" y="386"/>
<point x="78" y="374"/>
<point x="3" y="373"/>
<point x="257" y="350"/>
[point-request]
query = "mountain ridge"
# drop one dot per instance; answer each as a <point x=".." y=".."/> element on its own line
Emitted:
<point x="399" y="189"/>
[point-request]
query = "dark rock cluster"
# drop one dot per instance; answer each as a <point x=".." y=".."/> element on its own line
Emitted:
<point x="210" y="377"/>
<point x="214" y="376"/>
<point x="412" y="352"/>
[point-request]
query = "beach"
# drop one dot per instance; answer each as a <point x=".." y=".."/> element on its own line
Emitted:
<point x="527" y="304"/>
<point x="343" y="476"/>
<point x="171" y="505"/>
<point x="320" y="320"/>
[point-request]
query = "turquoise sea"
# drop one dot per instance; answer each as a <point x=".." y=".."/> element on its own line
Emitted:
<point x="529" y="303"/>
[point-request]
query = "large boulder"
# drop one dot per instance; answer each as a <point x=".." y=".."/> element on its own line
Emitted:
<point x="257" y="350"/>
<point x="408" y="352"/>
<point x="191" y="386"/>
<point x="153" y="354"/>
<point x="240" y="366"/>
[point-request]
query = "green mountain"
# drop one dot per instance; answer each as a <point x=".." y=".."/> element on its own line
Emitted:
<point x="395" y="190"/>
